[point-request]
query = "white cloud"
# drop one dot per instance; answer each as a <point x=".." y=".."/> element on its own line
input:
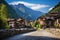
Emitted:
<point x="30" y="5"/>
<point x="38" y="6"/>
<point x="50" y="8"/>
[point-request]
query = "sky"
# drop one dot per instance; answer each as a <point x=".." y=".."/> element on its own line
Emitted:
<point x="37" y="5"/>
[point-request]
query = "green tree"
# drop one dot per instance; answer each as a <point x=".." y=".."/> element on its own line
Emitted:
<point x="3" y="16"/>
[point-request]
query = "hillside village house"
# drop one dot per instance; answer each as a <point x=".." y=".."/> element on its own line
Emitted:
<point x="19" y="23"/>
<point x="15" y="23"/>
<point x="55" y="17"/>
<point x="51" y="20"/>
<point x="41" y="21"/>
<point x="11" y="23"/>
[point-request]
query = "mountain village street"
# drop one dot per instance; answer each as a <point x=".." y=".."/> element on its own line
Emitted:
<point x="36" y="35"/>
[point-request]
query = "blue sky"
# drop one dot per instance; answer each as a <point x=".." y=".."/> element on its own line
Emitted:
<point x="38" y="5"/>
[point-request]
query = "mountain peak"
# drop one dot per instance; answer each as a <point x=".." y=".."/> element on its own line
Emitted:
<point x="21" y="4"/>
<point x="27" y="13"/>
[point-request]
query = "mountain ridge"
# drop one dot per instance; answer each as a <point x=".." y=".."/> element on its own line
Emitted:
<point x="28" y="11"/>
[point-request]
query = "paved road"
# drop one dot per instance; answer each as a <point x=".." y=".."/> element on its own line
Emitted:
<point x="36" y="35"/>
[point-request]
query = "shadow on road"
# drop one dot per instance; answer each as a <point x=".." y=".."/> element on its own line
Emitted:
<point x="38" y="38"/>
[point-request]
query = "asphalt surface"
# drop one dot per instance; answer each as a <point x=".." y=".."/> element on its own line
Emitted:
<point x="36" y="35"/>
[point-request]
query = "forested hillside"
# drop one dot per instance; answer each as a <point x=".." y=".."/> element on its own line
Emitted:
<point x="56" y="8"/>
